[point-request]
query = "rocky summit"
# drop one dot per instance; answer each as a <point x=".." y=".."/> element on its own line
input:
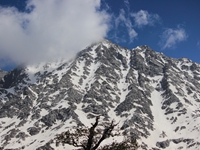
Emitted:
<point x="153" y="97"/>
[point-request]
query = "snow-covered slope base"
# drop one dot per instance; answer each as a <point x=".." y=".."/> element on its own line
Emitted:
<point x="154" y="98"/>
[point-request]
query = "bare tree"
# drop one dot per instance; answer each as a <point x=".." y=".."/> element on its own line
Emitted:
<point x="90" y="139"/>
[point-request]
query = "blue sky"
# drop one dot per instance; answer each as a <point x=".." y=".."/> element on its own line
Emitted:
<point x="37" y="30"/>
<point x="177" y="20"/>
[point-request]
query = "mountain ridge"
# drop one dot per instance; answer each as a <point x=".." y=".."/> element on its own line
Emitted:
<point x="141" y="89"/>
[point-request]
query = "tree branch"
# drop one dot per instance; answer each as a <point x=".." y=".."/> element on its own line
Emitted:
<point x="91" y="134"/>
<point x="107" y="133"/>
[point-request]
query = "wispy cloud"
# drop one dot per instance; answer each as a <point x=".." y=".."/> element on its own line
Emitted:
<point x="125" y="20"/>
<point x="198" y="44"/>
<point x="51" y="29"/>
<point x="171" y="37"/>
<point x="127" y="4"/>
<point x="143" y="18"/>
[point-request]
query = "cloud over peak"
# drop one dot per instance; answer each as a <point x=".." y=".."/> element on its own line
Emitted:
<point x="51" y="29"/>
<point x="170" y="37"/>
<point x="131" y="21"/>
<point x="125" y="20"/>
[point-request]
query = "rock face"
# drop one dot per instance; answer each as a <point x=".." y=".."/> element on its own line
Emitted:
<point x="154" y="98"/>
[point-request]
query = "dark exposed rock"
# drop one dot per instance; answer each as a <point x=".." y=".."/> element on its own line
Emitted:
<point x="14" y="77"/>
<point x="33" y="130"/>
<point x="21" y="135"/>
<point x="58" y="114"/>
<point x="45" y="147"/>
<point x="163" y="144"/>
<point x="10" y="134"/>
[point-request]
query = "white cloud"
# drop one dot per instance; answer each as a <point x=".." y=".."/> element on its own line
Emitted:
<point x="122" y="19"/>
<point x="171" y="37"/>
<point x="51" y="29"/>
<point x="143" y="18"/>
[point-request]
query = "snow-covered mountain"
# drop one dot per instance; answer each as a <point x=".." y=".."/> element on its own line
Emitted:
<point x="153" y="97"/>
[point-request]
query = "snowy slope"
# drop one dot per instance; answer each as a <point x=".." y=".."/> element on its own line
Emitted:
<point x="154" y="98"/>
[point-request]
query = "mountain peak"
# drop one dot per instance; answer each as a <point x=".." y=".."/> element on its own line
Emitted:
<point x="153" y="97"/>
